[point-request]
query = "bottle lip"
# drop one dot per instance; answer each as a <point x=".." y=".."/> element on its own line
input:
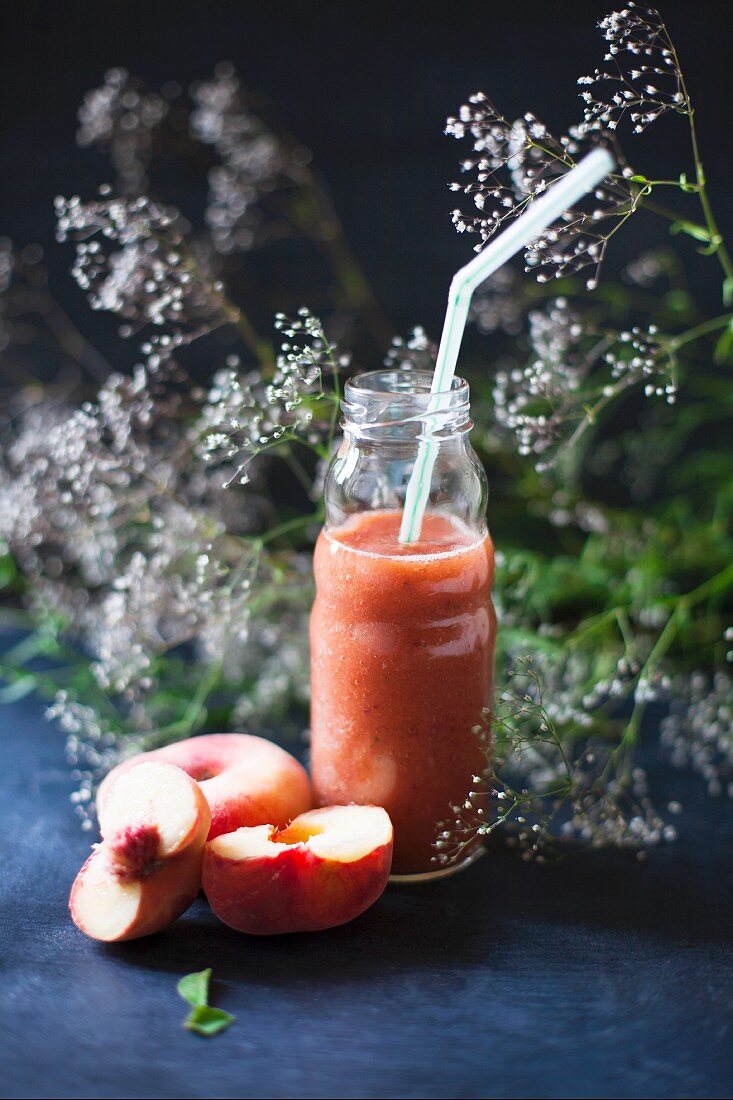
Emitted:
<point x="404" y="386"/>
<point x="400" y="404"/>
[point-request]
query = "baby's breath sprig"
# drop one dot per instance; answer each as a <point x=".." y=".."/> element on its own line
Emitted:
<point x="579" y="364"/>
<point x="576" y="368"/>
<point x="132" y="259"/>
<point x="253" y="163"/>
<point x="646" y="79"/>
<point x="542" y="785"/>
<point x="417" y="352"/>
<point x="120" y="118"/>
<point x="137" y="256"/>
<point x="245" y="414"/>
<point x="517" y="725"/>
<point x="312" y="347"/>
<point x="513" y="164"/>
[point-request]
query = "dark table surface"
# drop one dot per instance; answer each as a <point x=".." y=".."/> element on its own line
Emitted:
<point x="599" y="976"/>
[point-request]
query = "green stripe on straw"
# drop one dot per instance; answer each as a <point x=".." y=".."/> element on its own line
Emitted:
<point x="538" y="216"/>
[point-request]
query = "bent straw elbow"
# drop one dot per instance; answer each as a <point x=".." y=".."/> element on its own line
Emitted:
<point x="540" y="214"/>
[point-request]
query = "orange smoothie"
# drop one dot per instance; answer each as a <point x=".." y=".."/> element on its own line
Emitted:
<point x="402" y="652"/>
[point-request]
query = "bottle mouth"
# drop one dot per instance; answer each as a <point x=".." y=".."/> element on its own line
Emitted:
<point x="399" y="405"/>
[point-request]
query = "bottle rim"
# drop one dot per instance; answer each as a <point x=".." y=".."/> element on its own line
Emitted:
<point x="402" y="384"/>
<point x="400" y="401"/>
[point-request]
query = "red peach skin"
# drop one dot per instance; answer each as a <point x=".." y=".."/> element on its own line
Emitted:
<point x="141" y="906"/>
<point x="247" y="780"/>
<point x="326" y="869"/>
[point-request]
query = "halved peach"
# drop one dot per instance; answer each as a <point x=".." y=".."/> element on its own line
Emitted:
<point x="147" y="870"/>
<point x="324" y="869"/>
<point x="247" y="780"/>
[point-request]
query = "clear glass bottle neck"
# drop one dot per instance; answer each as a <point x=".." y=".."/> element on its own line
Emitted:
<point x="397" y="407"/>
<point x="388" y="416"/>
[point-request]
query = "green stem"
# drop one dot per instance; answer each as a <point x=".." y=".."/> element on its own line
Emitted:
<point x="664" y="641"/>
<point x="703" y="329"/>
<point x="302" y="475"/>
<point x="683" y="604"/>
<point x="194" y="711"/>
<point x="295" y="524"/>
<point x="228" y="310"/>
<point x="710" y="221"/>
<point x="711" y="587"/>
<point x="663" y="211"/>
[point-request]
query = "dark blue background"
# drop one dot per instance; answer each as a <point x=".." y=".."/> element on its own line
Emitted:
<point x="595" y="977"/>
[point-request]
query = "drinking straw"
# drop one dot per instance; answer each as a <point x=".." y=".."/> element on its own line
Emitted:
<point x="538" y="216"/>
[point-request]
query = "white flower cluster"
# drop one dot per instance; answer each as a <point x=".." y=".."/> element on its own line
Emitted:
<point x="244" y="414"/>
<point x="572" y="366"/>
<point x="132" y="259"/>
<point x="103" y="507"/>
<point x="120" y="118"/>
<point x="532" y="401"/>
<point x="644" y="76"/>
<point x="550" y="776"/>
<point x="254" y="161"/>
<point x="417" y="352"/>
<point x="699" y="729"/>
<point x="639" y="356"/>
<point x="512" y="164"/>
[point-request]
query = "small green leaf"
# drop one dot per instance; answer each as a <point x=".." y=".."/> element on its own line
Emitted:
<point x="686" y="186"/>
<point x="194" y="988"/>
<point x="202" y="1019"/>
<point x="8" y="571"/>
<point x="678" y="301"/>
<point x="692" y="229"/>
<point x="207" y="1021"/>
<point x="18" y="690"/>
<point x="724" y="346"/>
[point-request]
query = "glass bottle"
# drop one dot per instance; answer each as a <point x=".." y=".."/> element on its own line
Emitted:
<point x="402" y="636"/>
